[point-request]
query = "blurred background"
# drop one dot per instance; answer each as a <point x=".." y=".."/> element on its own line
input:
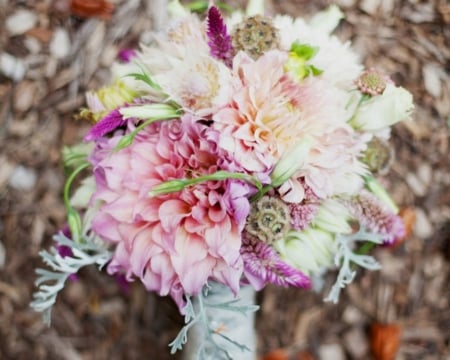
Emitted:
<point x="51" y="52"/>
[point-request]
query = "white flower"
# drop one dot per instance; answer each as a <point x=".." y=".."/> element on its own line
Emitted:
<point x="394" y="105"/>
<point x="255" y="7"/>
<point x="338" y="61"/>
<point x="332" y="216"/>
<point x="326" y="21"/>
<point x="309" y="250"/>
<point x="176" y="9"/>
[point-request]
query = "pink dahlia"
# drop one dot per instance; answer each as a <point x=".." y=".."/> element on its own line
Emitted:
<point x="174" y="242"/>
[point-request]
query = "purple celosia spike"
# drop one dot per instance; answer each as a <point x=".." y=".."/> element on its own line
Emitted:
<point x="107" y="124"/>
<point x="262" y="261"/>
<point x="219" y="39"/>
<point x="376" y="217"/>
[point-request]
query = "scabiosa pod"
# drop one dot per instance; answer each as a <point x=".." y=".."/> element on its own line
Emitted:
<point x="255" y="35"/>
<point x="372" y="82"/>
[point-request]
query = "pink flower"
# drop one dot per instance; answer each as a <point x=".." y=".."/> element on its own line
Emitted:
<point x="263" y="265"/>
<point x="175" y="242"/>
<point x="258" y="124"/>
<point x="377" y="217"/>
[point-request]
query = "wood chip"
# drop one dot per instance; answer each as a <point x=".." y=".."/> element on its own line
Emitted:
<point x="431" y="75"/>
<point x="20" y="22"/>
<point x="24" y="95"/>
<point x="12" y="67"/>
<point x="60" y="44"/>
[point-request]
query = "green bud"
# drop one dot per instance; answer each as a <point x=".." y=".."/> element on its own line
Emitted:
<point x="75" y="224"/>
<point x="148" y="111"/>
<point x="167" y="187"/>
<point x="291" y="162"/>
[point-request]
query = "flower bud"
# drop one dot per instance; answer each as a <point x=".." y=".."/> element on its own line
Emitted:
<point x="167" y="187"/>
<point x="291" y="162"/>
<point x="308" y="250"/>
<point x="75" y="224"/>
<point x="393" y="105"/>
<point x="332" y="216"/>
<point x="157" y="111"/>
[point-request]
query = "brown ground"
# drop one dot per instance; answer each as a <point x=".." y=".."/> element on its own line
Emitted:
<point x="94" y="319"/>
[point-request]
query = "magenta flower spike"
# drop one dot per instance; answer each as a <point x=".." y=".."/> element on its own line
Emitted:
<point x="107" y="124"/>
<point x="219" y="39"/>
<point x="262" y="263"/>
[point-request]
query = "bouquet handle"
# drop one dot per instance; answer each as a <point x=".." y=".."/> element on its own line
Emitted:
<point x="238" y="327"/>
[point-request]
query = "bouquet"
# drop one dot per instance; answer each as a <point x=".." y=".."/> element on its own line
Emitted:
<point x="231" y="152"/>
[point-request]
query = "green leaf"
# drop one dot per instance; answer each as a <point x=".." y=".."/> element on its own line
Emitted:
<point x="312" y="70"/>
<point x="304" y="51"/>
<point x="125" y="141"/>
<point x="145" y="77"/>
<point x="75" y="224"/>
<point x="201" y="6"/>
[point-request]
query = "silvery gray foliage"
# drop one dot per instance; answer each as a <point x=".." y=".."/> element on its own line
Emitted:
<point x="50" y="282"/>
<point x="346" y="257"/>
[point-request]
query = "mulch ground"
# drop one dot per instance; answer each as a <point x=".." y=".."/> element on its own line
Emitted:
<point x="49" y="57"/>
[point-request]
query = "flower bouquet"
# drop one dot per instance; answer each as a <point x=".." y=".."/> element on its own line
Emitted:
<point x="228" y="154"/>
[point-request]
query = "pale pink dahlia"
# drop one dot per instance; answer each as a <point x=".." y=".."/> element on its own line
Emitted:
<point x="175" y="242"/>
<point x="260" y="122"/>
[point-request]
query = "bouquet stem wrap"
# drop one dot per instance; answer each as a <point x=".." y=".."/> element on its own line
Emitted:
<point x="235" y="325"/>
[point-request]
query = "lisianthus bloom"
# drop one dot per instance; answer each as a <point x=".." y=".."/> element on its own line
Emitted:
<point x="173" y="242"/>
<point x="393" y="105"/>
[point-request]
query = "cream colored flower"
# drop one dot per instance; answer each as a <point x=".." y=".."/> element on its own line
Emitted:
<point x="394" y="105"/>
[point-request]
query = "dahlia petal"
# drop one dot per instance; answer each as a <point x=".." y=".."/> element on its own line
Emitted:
<point x="104" y="225"/>
<point x="171" y="212"/>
